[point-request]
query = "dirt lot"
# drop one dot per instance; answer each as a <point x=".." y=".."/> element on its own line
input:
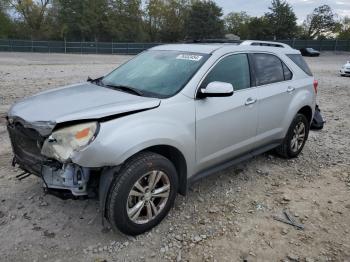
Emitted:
<point x="227" y="217"/>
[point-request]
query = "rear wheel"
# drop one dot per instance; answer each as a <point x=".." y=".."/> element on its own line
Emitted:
<point x="296" y="137"/>
<point x="142" y="194"/>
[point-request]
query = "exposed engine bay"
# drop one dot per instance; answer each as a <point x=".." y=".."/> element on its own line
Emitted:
<point x="71" y="177"/>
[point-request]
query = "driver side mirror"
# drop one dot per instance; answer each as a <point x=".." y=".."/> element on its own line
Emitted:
<point x="216" y="89"/>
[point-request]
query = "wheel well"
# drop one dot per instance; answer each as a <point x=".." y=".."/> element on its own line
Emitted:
<point x="307" y="112"/>
<point x="177" y="158"/>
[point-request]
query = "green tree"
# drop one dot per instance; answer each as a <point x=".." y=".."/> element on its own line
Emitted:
<point x="322" y="21"/>
<point x="259" y="28"/>
<point x="52" y="24"/>
<point x="5" y="21"/>
<point x="282" y="20"/>
<point x="33" y="14"/>
<point x="93" y="18"/>
<point x="165" y="19"/>
<point x="173" y="22"/>
<point x="204" y="21"/>
<point x="344" y="29"/>
<point x="154" y="18"/>
<point x="69" y="16"/>
<point x="82" y="20"/>
<point x="237" y="24"/>
<point x="125" y="20"/>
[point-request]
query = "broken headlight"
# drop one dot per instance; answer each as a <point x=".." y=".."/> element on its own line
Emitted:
<point x="62" y="143"/>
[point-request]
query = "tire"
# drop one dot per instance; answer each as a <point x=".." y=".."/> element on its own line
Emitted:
<point x="288" y="149"/>
<point x="129" y="204"/>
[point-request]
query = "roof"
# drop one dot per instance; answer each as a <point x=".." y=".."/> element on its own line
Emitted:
<point x="209" y="48"/>
<point x="195" y="48"/>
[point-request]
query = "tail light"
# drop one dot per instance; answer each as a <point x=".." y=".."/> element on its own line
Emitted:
<point x="315" y="86"/>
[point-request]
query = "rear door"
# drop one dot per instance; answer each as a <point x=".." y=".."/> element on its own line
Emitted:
<point x="275" y="92"/>
<point x="226" y="126"/>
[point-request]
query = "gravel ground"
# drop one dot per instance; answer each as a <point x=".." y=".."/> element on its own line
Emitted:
<point x="227" y="217"/>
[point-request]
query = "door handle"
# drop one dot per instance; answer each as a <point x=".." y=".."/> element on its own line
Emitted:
<point x="250" y="101"/>
<point x="290" y="89"/>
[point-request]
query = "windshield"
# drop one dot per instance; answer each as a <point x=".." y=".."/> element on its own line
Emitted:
<point x="157" y="73"/>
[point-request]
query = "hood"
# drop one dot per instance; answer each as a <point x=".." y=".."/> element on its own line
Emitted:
<point x="76" y="102"/>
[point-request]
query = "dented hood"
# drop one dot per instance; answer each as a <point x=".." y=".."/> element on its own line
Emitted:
<point x="76" y="102"/>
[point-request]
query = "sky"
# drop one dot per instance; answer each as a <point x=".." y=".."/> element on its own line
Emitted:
<point x="301" y="7"/>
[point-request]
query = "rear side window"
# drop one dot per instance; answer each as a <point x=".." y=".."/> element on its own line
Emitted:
<point x="268" y="69"/>
<point x="232" y="69"/>
<point x="287" y="73"/>
<point x="299" y="61"/>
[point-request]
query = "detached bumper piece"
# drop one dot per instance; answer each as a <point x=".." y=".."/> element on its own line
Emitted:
<point x="26" y="145"/>
<point x="70" y="177"/>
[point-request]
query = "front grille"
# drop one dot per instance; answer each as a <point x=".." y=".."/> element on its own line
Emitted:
<point x="26" y="145"/>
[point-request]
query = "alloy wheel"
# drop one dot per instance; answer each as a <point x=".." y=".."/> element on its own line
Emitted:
<point x="298" y="138"/>
<point x="148" y="197"/>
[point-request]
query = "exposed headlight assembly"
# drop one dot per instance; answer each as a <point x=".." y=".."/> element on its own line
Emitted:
<point x="62" y="143"/>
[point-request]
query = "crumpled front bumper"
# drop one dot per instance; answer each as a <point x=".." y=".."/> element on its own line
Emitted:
<point x="26" y="145"/>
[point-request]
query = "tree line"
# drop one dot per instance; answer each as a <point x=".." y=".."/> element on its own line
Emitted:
<point x="160" y="21"/>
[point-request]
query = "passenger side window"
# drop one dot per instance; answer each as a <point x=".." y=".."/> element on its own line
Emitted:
<point x="232" y="69"/>
<point x="268" y="69"/>
<point x="287" y="73"/>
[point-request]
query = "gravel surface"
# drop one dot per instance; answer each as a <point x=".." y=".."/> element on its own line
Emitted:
<point x="226" y="217"/>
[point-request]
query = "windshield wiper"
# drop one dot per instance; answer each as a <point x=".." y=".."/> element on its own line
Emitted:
<point x="96" y="81"/>
<point x="128" y="89"/>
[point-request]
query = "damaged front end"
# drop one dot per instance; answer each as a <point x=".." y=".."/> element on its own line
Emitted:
<point x="45" y="151"/>
<point x="49" y="129"/>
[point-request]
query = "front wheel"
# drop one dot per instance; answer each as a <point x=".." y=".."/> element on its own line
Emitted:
<point x="296" y="137"/>
<point x="142" y="194"/>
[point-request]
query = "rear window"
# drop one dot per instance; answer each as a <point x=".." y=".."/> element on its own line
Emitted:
<point x="268" y="69"/>
<point x="299" y="61"/>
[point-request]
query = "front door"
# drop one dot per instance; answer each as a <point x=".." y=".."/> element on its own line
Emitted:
<point x="226" y="126"/>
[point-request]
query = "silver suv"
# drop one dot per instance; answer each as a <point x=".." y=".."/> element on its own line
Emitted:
<point x="171" y="115"/>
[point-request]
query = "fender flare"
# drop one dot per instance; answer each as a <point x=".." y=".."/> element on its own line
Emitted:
<point x="107" y="177"/>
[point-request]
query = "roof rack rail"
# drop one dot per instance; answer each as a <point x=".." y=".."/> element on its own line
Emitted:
<point x="265" y="43"/>
<point x="214" y="41"/>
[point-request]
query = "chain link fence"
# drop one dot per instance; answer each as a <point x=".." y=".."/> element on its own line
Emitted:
<point x="135" y="48"/>
<point x="73" y="47"/>
<point x="321" y="45"/>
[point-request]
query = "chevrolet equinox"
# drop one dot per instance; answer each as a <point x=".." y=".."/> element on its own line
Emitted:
<point x="169" y="116"/>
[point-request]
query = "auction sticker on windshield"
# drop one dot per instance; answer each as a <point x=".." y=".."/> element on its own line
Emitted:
<point x="189" y="57"/>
